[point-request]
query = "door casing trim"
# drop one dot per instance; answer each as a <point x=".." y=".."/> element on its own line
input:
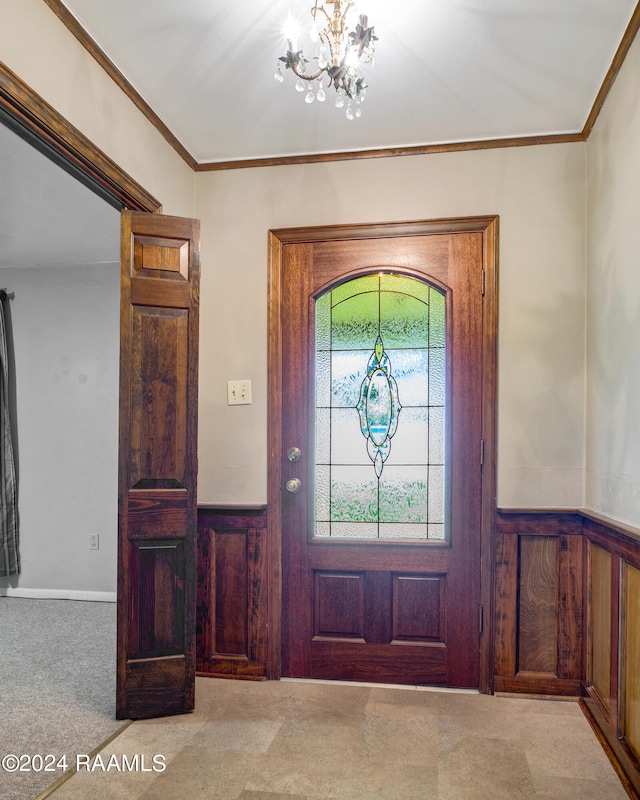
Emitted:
<point x="278" y="239"/>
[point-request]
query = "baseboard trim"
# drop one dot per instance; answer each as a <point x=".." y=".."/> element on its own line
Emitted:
<point x="58" y="594"/>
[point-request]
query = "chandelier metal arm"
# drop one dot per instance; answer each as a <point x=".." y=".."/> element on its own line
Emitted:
<point x="303" y="76"/>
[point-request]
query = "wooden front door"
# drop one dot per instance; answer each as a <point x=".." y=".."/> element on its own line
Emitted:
<point x="381" y="452"/>
<point x="158" y="465"/>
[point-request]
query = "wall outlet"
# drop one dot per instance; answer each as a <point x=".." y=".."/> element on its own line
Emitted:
<point x="94" y="541"/>
<point x="238" y="393"/>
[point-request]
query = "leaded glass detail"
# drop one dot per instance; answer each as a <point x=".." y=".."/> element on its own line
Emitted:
<point x="379" y="407"/>
<point x="380" y="373"/>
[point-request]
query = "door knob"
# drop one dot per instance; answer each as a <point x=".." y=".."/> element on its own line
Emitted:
<point x="294" y="485"/>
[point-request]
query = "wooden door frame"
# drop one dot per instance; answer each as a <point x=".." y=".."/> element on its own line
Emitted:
<point x="279" y="238"/>
<point x="35" y="120"/>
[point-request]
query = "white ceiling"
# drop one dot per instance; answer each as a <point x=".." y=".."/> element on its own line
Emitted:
<point x="446" y="71"/>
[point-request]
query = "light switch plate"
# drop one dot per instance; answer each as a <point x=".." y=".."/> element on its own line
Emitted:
<point x="239" y="393"/>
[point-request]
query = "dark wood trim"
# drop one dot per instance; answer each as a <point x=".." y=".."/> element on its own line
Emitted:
<point x="90" y="45"/>
<point x="613" y="536"/>
<point x="534" y="683"/>
<point x="391" y="152"/>
<point x="231" y="509"/>
<point x="614" y="69"/>
<point x="489" y="435"/>
<point x="538" y="521"/>
<point x="488" y="226"/>
<point x="620" y="759"/>
<point x="274" y="461"/>
<point x="40" y="122"/>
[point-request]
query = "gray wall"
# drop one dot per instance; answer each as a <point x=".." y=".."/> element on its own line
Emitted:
<point x="65" y="324"/>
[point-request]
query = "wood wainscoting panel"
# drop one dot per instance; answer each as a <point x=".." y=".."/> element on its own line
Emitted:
<point x="612" y="607"/>
<point x="232" y="592"/>
<point x="538" y="605"/>
<point x="630" y="648"/>
<point x="599" y="616"/>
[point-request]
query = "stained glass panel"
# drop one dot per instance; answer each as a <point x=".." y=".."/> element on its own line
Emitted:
<point x="380" y="372"/>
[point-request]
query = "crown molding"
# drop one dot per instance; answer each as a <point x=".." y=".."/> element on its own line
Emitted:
<point x="91" y="46"/>
<point x="427" y="149"/>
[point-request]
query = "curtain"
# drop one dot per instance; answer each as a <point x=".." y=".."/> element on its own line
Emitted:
<point x="9" y="556"/>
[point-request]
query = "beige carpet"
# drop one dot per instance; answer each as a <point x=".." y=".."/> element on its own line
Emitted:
<point x="294" y="740"/>
<point x="57" y="687"/>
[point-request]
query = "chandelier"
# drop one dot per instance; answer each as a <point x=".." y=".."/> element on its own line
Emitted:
<point x="339" y="52"/>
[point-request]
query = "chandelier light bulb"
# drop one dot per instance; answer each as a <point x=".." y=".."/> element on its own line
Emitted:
<point x="291" y="30"/>
<point x="342" y="41"/>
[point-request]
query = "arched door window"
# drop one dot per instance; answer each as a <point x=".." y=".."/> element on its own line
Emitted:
<point x="380" y="396"/>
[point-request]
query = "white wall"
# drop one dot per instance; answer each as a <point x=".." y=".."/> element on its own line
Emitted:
<point x="613" y="281"/>
<point x="65" y="323"/>
<point x="539" y="193"/>
<point x="36" y="45"/>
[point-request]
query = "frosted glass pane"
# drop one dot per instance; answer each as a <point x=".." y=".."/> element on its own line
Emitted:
<point x="323" y="442"/>
<point x="436" y="494"/>
<point x="436" y="319"/>
<point x="323" y="378"/>
<point x="380" y="473"/>
<point x="403" y="494"/>
<point x="390" y="530"/>
<point x="410" y="368"/>
<point x="355" y="322"/>
<point x="354" y="530"/>
<point x="368" y="283"/>
<point x="323" y="322"/>
<point x="436" y="532"/>
<point x="322" y="497"/>
<point x="403" y="321"/>
<point x="411" y="440"/>
<point x="348" y="369"/>
<point x="348" y="445"/>
<point x="354" y="494"/>
<point x="436" y="377"/>
<point x="436" y="435"/>
<point x="405" y="284"/>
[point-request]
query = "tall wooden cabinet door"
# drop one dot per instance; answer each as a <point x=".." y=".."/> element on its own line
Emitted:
<point x="158" y="465"/>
